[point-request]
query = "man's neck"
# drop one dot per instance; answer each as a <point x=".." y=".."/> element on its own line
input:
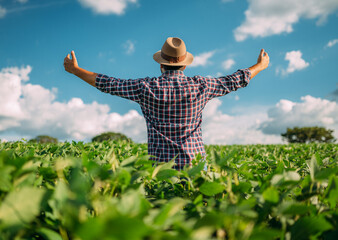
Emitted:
<point x="173" y="72"/>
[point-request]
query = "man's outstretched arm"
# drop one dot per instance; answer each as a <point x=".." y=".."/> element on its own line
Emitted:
<point x="262" y="63"/>
<point x="224" y="85"/>
<point x="72" y="66"/>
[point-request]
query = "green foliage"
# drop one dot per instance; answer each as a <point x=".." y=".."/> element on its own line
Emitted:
<point x="111" y="190"/>
<point x="44" y="139"/>
<point x="308" y="135"/>
<point x="16" y="210"/>
<point x="108" y="136"/>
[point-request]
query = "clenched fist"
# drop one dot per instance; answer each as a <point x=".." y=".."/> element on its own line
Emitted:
<point x="70" y="64"/>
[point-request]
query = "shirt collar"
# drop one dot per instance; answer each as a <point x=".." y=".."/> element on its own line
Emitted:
<point x="170" y="73"/>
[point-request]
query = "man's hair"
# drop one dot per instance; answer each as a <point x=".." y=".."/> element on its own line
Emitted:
<point x="166" y="67"/>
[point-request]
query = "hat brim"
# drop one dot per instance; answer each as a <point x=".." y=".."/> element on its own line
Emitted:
<point x="187" y="61"/>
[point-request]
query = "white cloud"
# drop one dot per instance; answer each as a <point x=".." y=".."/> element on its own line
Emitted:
<point x="117" y="7"/>
<point x="220" y="128"/>
<point x="310" y="111"/>
<point x="22" y="1"/>
<point x="30" y="110"/>
<point x="270" y="17"/>
<point x="3" y="12"/>
<point x="129" y="47"/>
<point x="227" y="64"/>
<point x="332" y="43"/>
<point x="202" y="59"/>
<point x="296" y="63"/>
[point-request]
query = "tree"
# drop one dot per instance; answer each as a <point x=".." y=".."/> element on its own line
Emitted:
<point x="308" y="135"/>
<point x="110" y="136"/>
<point x="44" y="139"/>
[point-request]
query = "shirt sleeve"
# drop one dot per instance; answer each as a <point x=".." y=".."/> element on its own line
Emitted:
<point x="223" y="85"/>
<point x="129" y="89"/>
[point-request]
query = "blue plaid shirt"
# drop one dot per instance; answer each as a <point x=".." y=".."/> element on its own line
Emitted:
<point x="172" y="106"/>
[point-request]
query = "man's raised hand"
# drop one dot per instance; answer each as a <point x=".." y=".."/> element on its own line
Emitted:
<point x="262" y="63"/>
<point x="70" y="65"/>
<point x="263" y="59"/>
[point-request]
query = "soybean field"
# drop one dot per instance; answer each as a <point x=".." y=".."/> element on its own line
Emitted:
<point x="112" y="191"/>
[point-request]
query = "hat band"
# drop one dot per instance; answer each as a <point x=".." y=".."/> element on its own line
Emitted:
<point x="171" y="59"/>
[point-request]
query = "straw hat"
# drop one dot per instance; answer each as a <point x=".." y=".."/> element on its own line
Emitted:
<point x="173" y="53"/>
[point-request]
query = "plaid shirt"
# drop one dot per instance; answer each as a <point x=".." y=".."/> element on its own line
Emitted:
<point x="172" y="106"/>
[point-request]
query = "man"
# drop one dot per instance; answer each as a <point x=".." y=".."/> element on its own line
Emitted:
<point x="172" y="103"/>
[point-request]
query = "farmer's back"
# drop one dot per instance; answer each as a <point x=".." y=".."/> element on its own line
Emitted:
<point x="172" y="106"/>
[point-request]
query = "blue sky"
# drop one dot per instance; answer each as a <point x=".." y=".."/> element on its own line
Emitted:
<point x="118" y="38"/>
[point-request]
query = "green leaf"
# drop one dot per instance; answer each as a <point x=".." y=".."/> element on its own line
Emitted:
<point x="285" y="178"/>
<point x="211" y="188"/>
<point x="265" y="233"/>
<point x="331" y="192"/>
<point x="133" y="204"/>
<point x="123" y="177"/>
<point x="161" y="167"/>
<point x="271" y="195"/>
<point x="325" y="173"/>
<point x="21" y="207"/>
<point x="293" y="208"/>
<point x="242" y="187"/>
<point x="6" y="177"/>
<point x="61" y="192"/>
<point x="129" y="161"/>
<point x="169" y="210"/>
<point x="48" y="173"/>
<point x="198" y="199"/>
<point x="49" y="234"/>
<point x="196" y="169"/>
<point x="313" y="167"/>
<point x="93" y="228"/>
<point x="214" y="219"/>
<point x="223" y="161"/>
<point x="166" y="174"/>
<point x="309" y="226"/>
<point x="121" y="228"/>
<point x="291" y="176"/>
